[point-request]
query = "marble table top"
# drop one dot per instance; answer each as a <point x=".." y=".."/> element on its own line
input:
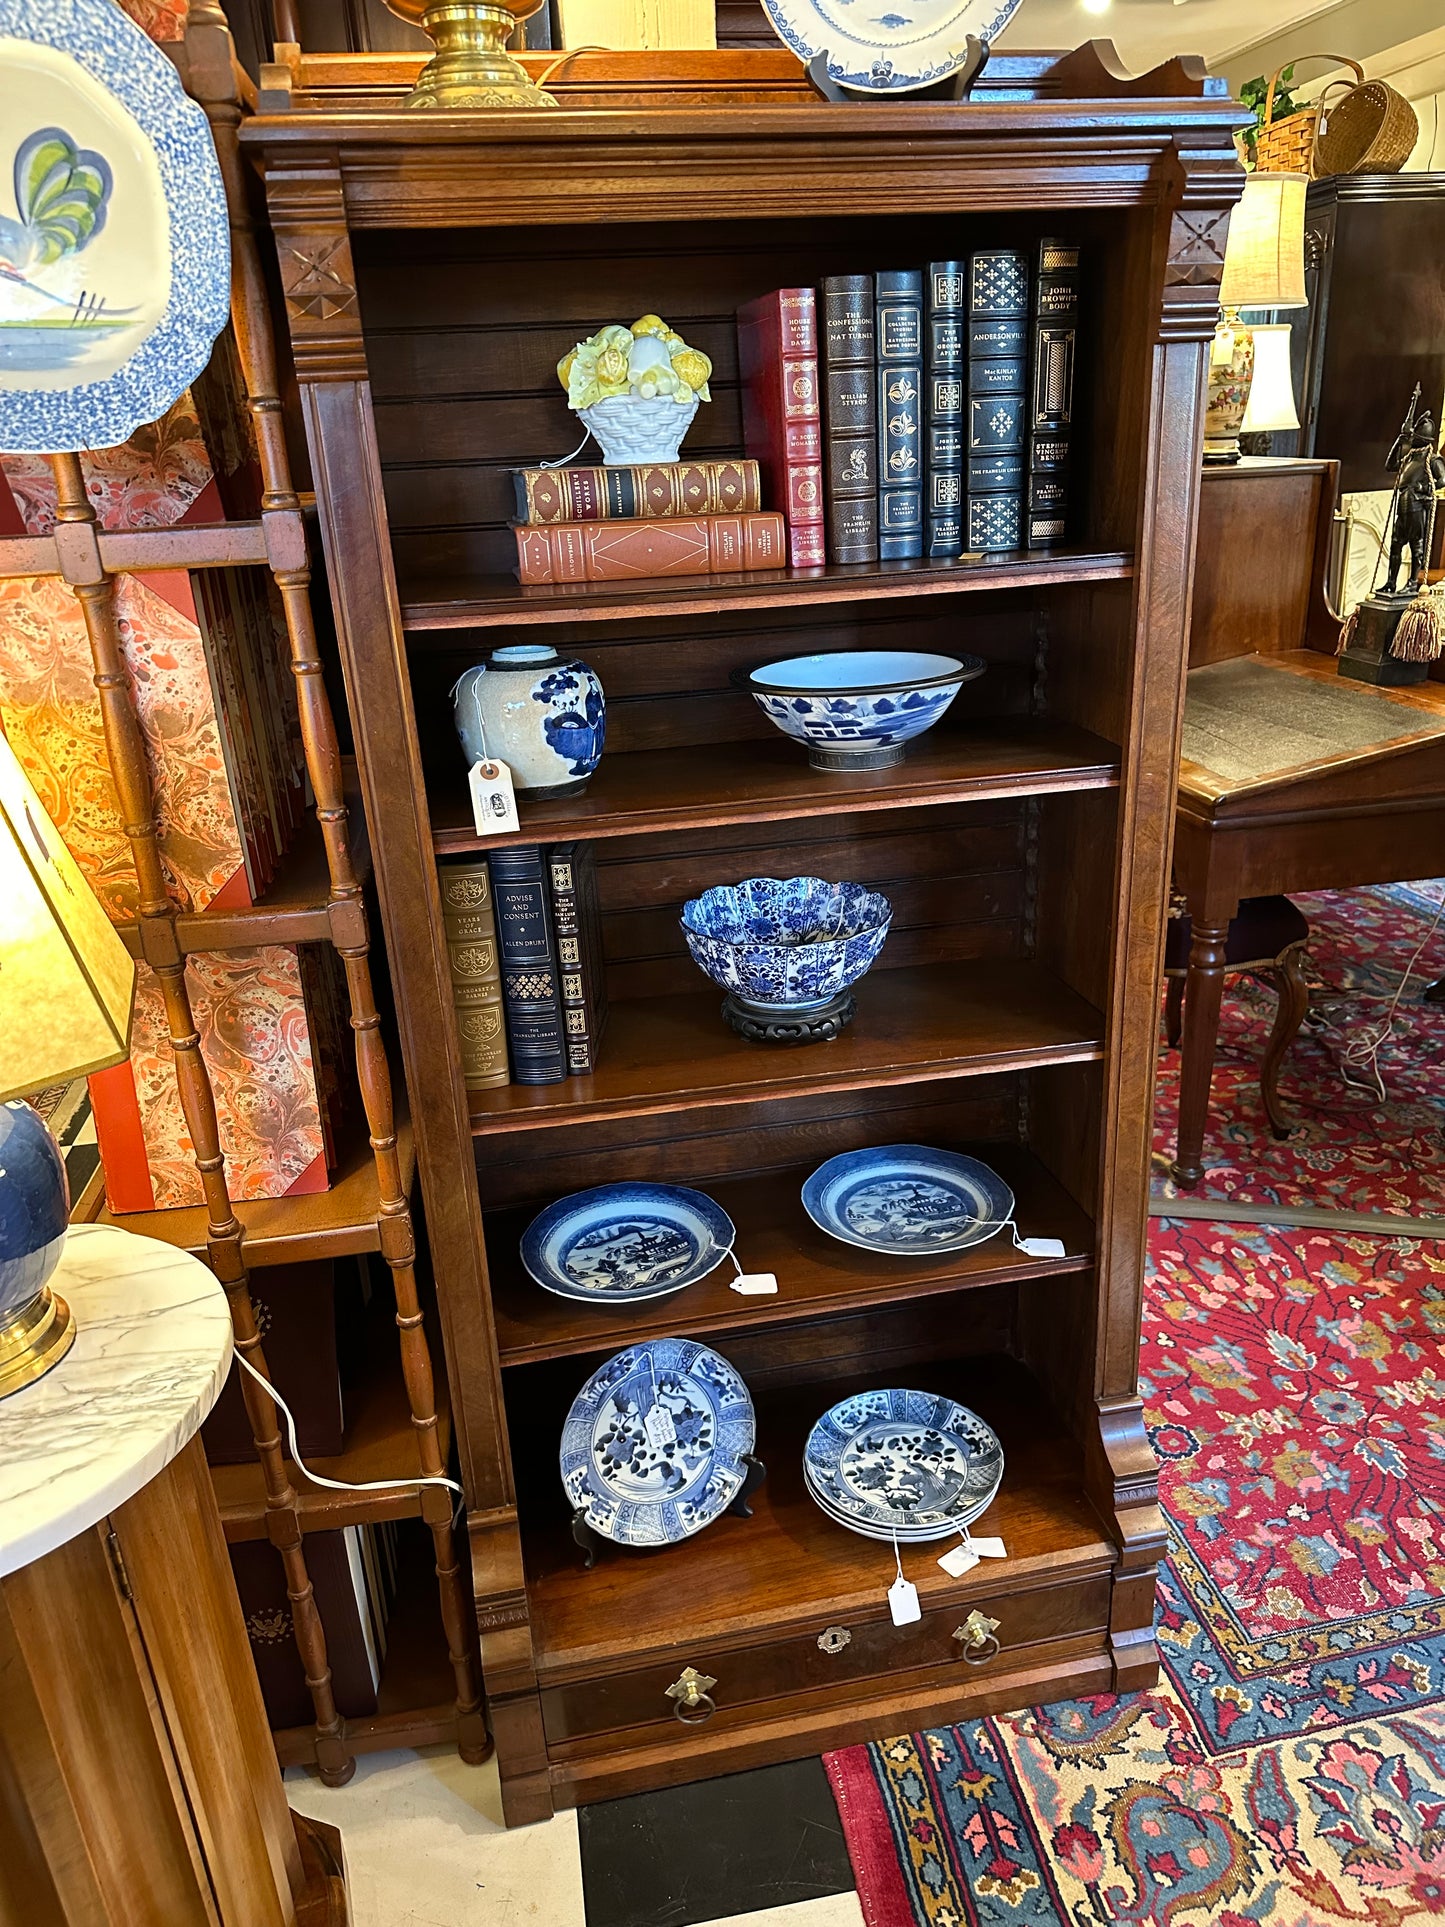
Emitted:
<point x="151" y="1353"/>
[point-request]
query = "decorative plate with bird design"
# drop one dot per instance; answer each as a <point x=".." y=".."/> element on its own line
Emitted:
<point x="115" y="262"/>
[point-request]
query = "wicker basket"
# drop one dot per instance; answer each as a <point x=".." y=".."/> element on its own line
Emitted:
<point x="1288" y="146"/>
<point x="628" y="429"/>
<point x="1371" y="130"/>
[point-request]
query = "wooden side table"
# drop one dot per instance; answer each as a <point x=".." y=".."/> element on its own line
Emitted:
<point x="138" y="1783"/>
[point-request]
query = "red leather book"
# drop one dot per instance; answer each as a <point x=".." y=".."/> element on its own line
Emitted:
<point x="778" y="362"/>
<point x="615" y="551"/>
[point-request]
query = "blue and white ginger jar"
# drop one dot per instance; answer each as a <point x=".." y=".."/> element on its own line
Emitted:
<point x="541" y="714"/>
<point x="34" y="1206"/>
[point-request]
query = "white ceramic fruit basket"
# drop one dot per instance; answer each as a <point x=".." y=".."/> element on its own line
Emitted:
<point x="636" y="389"/>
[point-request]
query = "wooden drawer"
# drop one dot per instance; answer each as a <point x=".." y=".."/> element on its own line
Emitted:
<point x="795" y="1661"/>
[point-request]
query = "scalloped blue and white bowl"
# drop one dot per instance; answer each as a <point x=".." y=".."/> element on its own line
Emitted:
<point x="785" y="945"/>
<point x="856" y="708"/>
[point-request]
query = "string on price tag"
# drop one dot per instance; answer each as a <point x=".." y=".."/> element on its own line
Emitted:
<point x="494" y="806"/>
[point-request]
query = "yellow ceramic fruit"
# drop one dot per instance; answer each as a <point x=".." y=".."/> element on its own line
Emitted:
<point x="651" y="324"/>
<point x="564" y="366"/>
<point x="692" y="366"/>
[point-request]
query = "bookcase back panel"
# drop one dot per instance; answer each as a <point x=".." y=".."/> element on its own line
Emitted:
<point x="668" y="684"/>
<point x="535" y="1167"/>
<point x="465" y="329"/>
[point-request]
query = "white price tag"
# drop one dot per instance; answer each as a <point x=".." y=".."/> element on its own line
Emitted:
<point x="961" y="1560"/>
<point x="755" y="1284"/>
<point x="903" y="1602"/>
<point x="989" y="1548"/>
<point x="1043" y="1247"/>
<point x="660" y="1430"/>
<point x="494" y="807"/>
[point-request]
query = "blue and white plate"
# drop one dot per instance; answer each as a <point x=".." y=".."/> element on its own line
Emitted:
<point x="917" y="1463"/>
<point x="907" y="1200"/>
<point x="653" y="1446"/>
<point x="625" y="1243"/>
<point x="904" y="46"/>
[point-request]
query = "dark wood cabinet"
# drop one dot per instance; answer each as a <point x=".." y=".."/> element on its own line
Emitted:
<point x="434" y="268"/>
<point x="1375" y="324"/>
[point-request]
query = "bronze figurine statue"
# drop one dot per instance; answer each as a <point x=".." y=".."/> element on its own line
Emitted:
<point x="1420" y="476"/>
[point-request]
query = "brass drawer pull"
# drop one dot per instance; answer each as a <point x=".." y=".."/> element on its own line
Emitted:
<point x="691" y="1696"/>
<point x="978" y="1638"/>
<point x="834" y="1639"/>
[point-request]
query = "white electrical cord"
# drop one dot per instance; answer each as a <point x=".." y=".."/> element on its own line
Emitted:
<point x="1359" y="1060"/>
<point x="316" y="1478"/>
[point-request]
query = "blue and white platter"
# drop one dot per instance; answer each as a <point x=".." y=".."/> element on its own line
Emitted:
<point x="653" y="1447"/>
<point x="907" y="1200"/>
<point x="113" y="230"/>
<point x="626" y="1243"/>
<point x="911" y="43"/>
<point x="916" y="1465"/>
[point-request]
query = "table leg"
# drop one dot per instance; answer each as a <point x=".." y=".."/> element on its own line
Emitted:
<point x="1288" y="979"/>
<point x="1202" y="993"/>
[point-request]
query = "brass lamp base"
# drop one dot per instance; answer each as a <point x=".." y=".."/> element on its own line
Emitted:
<point x="472" y="67"/>
<point x="36" y="1338"/>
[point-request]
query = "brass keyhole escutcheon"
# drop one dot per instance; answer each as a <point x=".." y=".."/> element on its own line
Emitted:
<point x="691" y="1696"/>
<point x="978" y="1638"/>
<point x="834" y="1639"/>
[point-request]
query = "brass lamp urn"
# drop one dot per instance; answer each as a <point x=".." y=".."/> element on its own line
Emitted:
<point x="471" y="66"/>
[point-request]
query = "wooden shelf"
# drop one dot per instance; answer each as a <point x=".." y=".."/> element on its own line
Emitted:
<point x="487" y="602"/>
<point x="294" y="909"/>
<point x="772" y="780"/>
<point x="913" y="1025"/>
<point x="279" y="1231"/>
<point x="380" y="1444"/>
<point x="790" y="1564"/>
<point x="817" y="1275"/>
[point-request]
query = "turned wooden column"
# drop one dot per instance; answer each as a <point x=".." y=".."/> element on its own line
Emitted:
<point x="1203" y="989"/>
<point x="138" y="1782"/>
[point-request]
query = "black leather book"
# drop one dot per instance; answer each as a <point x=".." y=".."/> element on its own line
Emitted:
<point x="530" y="990"/>
<point x="945" y="361"/>
<point x="899" y="336"/>
<point x="850" y="418"/>
<point x="576" y="924"/>
<point x="1051" y="391"/>
<point x="998" y="317"/>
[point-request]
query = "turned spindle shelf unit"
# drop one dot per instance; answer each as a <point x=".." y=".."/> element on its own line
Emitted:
<point x="434" y="268"/>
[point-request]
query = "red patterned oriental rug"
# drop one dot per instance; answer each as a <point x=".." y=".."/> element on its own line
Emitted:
<point x="1290" y="1768"/>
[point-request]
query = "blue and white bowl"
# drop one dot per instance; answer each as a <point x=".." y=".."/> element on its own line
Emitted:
<point x="626" y="1243"/>
<point x="855" y="709"/>
<point x="653" y="1447"/>
<point x="786" y="945"/>
<point x="908" y="1201"/>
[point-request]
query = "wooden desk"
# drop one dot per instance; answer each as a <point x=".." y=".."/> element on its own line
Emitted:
<point x="1291" y="779"/>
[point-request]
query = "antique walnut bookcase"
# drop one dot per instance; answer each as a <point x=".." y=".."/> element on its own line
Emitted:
<point x="434" y="268"/>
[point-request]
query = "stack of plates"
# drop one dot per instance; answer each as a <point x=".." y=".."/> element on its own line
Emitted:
<point x="912" y="1465"/>
<point x="653" y="1447"/>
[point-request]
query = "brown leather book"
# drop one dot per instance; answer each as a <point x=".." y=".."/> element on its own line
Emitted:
<point x="548" y="495"/>
<point x="617" y="551"/>
<point x="471" y="934"/>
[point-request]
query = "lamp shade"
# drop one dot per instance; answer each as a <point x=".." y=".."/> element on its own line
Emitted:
<point x="66" y="978"/>
<point x="1264" y="257"/>
<point x="1271" y="393"/>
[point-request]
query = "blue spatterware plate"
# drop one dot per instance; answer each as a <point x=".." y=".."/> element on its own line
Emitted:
<point x="623" y="1243"/>
<point x="907" y="1200"/>
<point x="917" y="1462"/>
<point x="653" y="1447"/>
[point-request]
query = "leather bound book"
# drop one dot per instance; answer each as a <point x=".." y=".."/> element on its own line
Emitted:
<point x="850" y="418"/>
<point x="782" y="413"/>
<point x="476" y="973"/>
<point x="1051" y="392"/>
<point x="944" y="369"/>
<point x="898" y="332"/>
<point x="546" y="495"/>
<point x="572" y="876"/>
<point x="530" y="991"/>
<point x="998" y="310"/>
<point x="620" y="551"/>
